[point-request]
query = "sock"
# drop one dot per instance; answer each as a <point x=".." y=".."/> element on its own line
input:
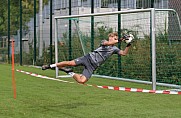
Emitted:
<point x="71" y="74"/>
<point x="53" y="65"/>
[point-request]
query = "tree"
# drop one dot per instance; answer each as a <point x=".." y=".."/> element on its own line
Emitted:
<point x="3" y="13"/>
<point x="27" y="9"/>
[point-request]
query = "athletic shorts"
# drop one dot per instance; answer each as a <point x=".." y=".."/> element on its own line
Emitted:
<point x="89" y="65"/>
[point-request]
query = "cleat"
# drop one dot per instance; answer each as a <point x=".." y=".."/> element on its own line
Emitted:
<point x="45" y="67"/>
<point x="66" y="70"/>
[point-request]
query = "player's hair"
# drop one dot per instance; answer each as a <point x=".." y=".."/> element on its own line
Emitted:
<point x="112" y="34"/>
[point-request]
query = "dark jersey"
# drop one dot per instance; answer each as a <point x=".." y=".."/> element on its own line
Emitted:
<point x="102" y="53"/>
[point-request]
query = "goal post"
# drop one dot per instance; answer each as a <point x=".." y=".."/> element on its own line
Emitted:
<point x="153" y="48"/>
<point x="136" y="67"/>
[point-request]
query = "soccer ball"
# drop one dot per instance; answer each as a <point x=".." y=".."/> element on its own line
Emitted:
<point x="129" y="38"/>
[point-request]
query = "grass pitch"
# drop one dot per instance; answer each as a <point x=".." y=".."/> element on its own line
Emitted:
<point x="40" y="98"/>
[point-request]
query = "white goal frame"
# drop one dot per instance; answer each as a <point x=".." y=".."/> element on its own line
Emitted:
<point x="153" y="43"/>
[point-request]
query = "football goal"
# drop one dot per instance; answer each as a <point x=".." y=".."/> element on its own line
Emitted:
<point x="154" y="58"/>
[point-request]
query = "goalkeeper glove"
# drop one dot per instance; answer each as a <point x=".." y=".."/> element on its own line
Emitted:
<point x="125" y="37"/>
<point x="129" y="44"/>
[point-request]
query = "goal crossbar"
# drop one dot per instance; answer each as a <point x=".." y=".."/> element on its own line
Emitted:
<point x="105" y="13"/>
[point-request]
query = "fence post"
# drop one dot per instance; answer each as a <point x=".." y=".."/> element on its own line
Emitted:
<point x="70" y="32"/>
<point x="9" y="31"/>
<point x="34" y="62"/>
<point x="152" y="3"/>
<point x="119" y="36"/>
<point x="51" y="32"/>
<point x="92" y="26"/>
<point x="20" y="2"/>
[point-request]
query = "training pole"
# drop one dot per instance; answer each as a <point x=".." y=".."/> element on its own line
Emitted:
<point x="13" y="77"/>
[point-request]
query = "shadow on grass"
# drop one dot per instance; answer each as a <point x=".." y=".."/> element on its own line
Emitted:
<point x="68" y="106"/>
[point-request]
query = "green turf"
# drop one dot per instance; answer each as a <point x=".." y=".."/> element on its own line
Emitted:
<point x="40" y="98"/>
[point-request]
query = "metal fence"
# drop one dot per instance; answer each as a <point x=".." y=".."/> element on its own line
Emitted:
<point x="31" y="24"/>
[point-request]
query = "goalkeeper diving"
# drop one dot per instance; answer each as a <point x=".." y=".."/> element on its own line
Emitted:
<point x="94" y="59"/>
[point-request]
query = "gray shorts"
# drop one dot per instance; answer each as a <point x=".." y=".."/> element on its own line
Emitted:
<point x="89" y="65"/>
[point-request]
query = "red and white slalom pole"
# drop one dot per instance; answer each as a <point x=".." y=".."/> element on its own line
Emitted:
<point x="13" y="70"/>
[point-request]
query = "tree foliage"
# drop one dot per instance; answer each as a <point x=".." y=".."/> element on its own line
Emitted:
<point x="27" y="13"/>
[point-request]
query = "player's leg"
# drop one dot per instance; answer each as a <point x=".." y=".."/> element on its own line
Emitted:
<point x="60" y="65"/>
<point x="84" y="77"/>
<point x="87" y="72"/>
<point x="80" y="78"/>
<point x="66" y="63"/>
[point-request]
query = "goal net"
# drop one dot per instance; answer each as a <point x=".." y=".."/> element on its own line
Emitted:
<point x="154" y="56"/>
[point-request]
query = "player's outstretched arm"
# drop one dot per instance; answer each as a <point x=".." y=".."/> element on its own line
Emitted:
<point x="110" y="42"/>
<point x="125" y="51"/>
